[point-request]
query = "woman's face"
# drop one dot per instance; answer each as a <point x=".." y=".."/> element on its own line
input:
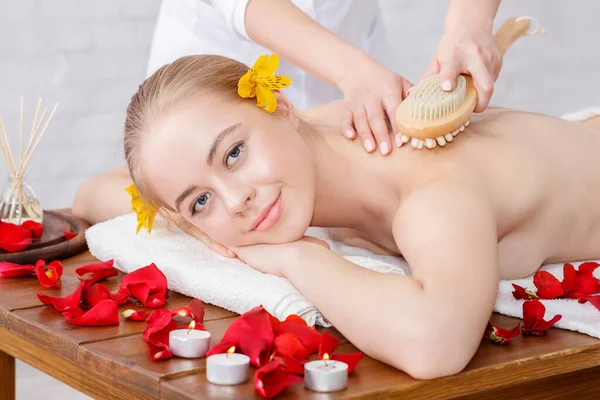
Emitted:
<point x="241" y="175"/>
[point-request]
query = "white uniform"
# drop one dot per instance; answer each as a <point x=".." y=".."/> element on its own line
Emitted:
<point x="187" y="27"/>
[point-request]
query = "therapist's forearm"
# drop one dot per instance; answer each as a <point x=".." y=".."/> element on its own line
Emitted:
<point x="471" y="13"/>
<point x="286" y="30"/>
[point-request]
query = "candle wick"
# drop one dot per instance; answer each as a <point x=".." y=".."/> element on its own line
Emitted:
<point x="188" y="332"/>
<point x="325" y="362"/>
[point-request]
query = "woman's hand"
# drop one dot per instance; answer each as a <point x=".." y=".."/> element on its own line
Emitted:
<point x="271" y="258"/>
<point x="468" y="50"/>
<point x="192" y="230"/>
<point x="370" y="92"/>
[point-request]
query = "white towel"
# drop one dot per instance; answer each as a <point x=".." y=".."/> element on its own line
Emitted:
<point x="194" y="270"/>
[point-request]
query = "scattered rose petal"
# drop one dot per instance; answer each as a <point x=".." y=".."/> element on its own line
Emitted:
<point x="105" y="313"/>
<point x="569" y="279"/>
<point x="147" y="284"/>
<point x="49" y="274"/>
<point x="134" y="315"/>
<point x="37" y="229"/>
<point x="251" y="334"/>
<point x="11" y="270"/>
<point x="594" y="300"/>
<point x="64" y="303"/>
<point x="14" y="238"/>
<point x="500" y="335"/>
<point x="68" y="235"/>
<point x="97" y="271"/>
<point x="533" y="319"/>
<point x="156" y="335"/>
<point x="194" y="310"/>
<point x="308" y="336"/>
<point x="548" y="286"/>
<point x="327" y="348"/>
<point x="94" y="294"/>
<point x="586" y="269"/>
<point x="521" y="293"/>
<point x="272" y="379"/>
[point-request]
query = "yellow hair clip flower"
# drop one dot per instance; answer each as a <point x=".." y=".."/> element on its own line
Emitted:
<point x="144" y="211"/>
<point x="260" y="82"/>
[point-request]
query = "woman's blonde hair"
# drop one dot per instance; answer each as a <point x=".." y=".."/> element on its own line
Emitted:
<point x="171" y="84"/>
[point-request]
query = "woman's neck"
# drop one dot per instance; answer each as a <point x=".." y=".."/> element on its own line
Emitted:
<point x="352" y="186"/>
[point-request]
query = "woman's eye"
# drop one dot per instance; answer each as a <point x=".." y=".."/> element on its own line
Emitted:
<point x="233" y="155"/>
<point x="200" y="203"/>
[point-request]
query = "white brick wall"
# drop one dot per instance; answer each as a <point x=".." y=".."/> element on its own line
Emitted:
<point x="88" y="55"/>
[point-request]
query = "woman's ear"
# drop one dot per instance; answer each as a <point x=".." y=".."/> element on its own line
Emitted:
<point x="287" y="109"/>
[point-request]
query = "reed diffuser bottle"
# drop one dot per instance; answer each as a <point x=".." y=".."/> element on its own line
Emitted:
<point x="19" y="202"/>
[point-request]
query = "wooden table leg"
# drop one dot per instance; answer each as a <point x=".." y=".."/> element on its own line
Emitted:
<point x="7" y="377"/>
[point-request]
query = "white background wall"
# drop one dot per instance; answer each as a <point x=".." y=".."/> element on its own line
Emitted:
<point x="91" y="56"/>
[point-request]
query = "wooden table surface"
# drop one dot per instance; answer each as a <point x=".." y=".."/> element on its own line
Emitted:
<point x="113" y="362"/>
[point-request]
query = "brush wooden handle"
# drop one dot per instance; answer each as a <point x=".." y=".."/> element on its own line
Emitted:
<point x="512" y="29"/>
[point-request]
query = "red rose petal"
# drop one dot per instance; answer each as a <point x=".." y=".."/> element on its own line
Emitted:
<point x="37" y="229"/>
<point x="501" y="335"/>
<point x="272" y="379"/>
<point x="156" y="335"/>
<point x="64" y="303"/>
<point x="104" y="313"/>
<point x="293" y="364"/>
<point x="308" y="336"/>
<point x="521" y="293"/>
<point x="49" y="274"/>
<point x="570" y="277"/>
<point x="11" y="270"/>
<point x="533" y="317"/>
<point x="68" y="235"/>
<point x="594" y="300"/>
<point x="587" y="285"/>
<point x="548" y="286"/>
<point x="194" y="310"/>
<point x="97" y="271"/>
<point x="289" y="344"/>
<point x="94" y="294"/>
<point x="14" y="238"/>
<point x="156" y="300"/>
<point x="251" y="334"/>
<point x="352" y="359"/>
<point x="586" y="269"/>
<point x="328" y="345"/>
<point x="120" y="298"/>
<point x="134" y="315"/>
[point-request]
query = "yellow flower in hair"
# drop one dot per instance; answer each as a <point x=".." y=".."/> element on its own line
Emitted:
<point x="260" y="81"/>
<point x="144" y="211"/>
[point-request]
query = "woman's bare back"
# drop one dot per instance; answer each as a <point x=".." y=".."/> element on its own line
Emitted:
<point x="539" y="173"/>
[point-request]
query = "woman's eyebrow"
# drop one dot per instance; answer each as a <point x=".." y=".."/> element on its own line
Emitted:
<point x="220" y="137"/>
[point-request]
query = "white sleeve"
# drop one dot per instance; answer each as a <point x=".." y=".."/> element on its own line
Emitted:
<point x="234" y="12"/>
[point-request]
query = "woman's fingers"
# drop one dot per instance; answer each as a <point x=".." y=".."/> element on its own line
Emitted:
<point x="347" y="125"/>
<point x="361" y="123"/>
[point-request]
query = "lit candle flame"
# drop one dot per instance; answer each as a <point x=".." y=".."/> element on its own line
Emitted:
<point x="192" y="325"/>
<point x="231" y="350"/>
<point x="325" y="356"/>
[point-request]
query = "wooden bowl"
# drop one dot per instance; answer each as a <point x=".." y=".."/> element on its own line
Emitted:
<point x="52" y="245"/>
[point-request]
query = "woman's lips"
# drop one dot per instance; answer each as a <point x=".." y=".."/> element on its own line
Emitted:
<point x="269" y="216"/>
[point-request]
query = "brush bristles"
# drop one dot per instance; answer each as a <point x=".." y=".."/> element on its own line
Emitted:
<point x="429" y="102"/>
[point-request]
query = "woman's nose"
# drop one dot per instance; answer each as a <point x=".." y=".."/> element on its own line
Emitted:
<point x="238" y="198"/>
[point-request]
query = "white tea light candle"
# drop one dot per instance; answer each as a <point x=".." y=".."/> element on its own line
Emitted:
<point x="325" y="375"/>
<point x="228" y="368"/>
<point x="189" y="343"/>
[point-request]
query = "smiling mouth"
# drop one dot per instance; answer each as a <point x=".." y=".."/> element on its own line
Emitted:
<point x="268" y="216"/>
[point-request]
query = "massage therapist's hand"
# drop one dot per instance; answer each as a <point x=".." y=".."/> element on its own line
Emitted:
<point x="270" y="258"/>
<point x="370" y="92"/>
<point x="192" y="230"/>
<point x="468" y="50"/>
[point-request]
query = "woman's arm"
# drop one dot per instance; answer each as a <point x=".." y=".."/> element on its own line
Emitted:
<point x="285" y="29"/>
<point x="103" y="197"/>
<point x="428" y="325"/>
